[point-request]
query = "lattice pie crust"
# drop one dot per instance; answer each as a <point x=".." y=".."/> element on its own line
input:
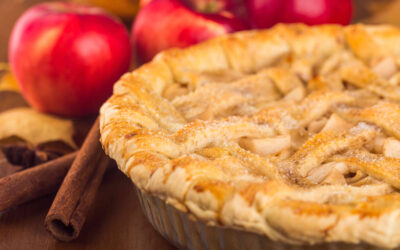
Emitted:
<point x="292" y="132"/>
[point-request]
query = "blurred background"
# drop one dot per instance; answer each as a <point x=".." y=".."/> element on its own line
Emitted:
<point x="370" y="11"/>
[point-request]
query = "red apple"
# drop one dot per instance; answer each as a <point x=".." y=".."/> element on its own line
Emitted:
<point x="66" y="57"/>
<point x="264" y="13"/>
<point x="314" y="12"/>
<point x="163" y="24"/>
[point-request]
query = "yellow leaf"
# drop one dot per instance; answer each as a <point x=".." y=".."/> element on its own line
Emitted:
<point x="8" y="82"/>
<point x="35" y="127"/>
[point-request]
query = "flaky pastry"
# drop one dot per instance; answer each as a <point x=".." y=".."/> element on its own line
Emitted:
<point x="291" y="132"/>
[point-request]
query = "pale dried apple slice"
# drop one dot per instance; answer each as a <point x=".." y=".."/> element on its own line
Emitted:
<point x="266" y="146"/>
<point x="391" y="148"/>
<point x="336" y="124"/>
<point x="334" y="177"/>
<point x="297" y="94"/>
<point x="385" y="68"/>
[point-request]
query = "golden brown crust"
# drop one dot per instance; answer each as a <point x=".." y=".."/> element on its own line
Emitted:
<point x="193" y="127"/>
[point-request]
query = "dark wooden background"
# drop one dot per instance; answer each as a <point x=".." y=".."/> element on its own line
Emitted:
<point x="115" y="221"/>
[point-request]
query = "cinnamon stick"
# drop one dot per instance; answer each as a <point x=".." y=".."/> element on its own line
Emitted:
<point x="78" y="190"/>
<point x="33" y="183"/>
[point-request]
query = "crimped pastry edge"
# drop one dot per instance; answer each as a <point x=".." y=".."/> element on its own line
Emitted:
<point x="185" y="232"/>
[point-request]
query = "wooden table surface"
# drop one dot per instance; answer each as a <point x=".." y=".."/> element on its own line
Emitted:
<point x="116" y="220"/>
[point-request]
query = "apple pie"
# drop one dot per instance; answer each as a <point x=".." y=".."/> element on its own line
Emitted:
<point x="290" y="134"/>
